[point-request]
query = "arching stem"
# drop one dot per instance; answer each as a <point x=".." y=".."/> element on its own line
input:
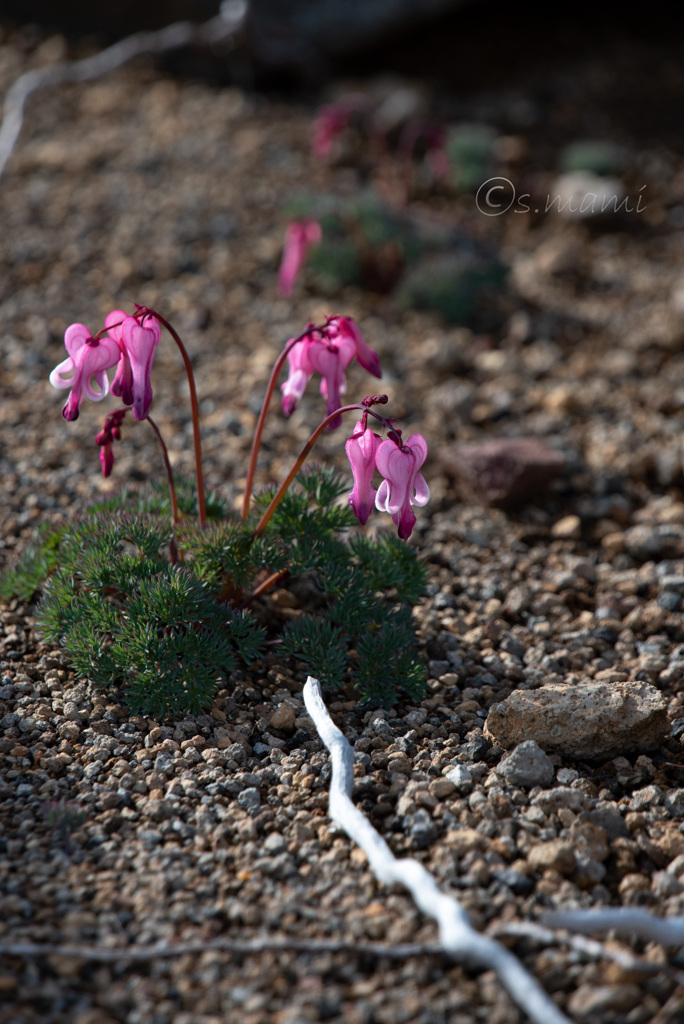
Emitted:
<point x="301" y="458"/>
<point x="169" y="471"/>
<point x="256" y="443"/>
<point x="194" y="405"/>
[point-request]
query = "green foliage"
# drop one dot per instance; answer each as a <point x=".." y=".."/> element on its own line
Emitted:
<point x="595" y="156"/>
<point x="364" y="243"/>
<point x="470" y="149"/>
<point x="463" y="287"/>
<point x="25" y="578"/>
<point x="167" y="615"/>
<point x="423" y="263"/>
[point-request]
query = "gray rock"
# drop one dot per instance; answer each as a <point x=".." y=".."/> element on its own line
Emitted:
<point x="527" y="765"/>
<point x="250" y="799"/>
<point x="674" y="802"/>
<point x="591" y="720"/>
<point x="420" y="828"/>
<point x="460" y="776"/>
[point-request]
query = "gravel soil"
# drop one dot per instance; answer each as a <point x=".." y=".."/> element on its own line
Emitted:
<point x="119" y="830"/>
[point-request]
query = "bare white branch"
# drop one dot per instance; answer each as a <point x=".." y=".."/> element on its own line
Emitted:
<point x="623" y="920"/>
<point x="181" y="33"/>
<point x="456" y="934"/>
<point x="589" y="949"/>
<point x="143" y="954"/>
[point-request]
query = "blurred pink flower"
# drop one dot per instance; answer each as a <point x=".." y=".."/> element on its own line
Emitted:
<point x="403" y="485"/>
<point x="361" y="449"/>
<point x="330" y="121"/>
<point x="365" y="356"/>
<point x="89" y="359"/>
<point x="299" y="376"/>
<point x="299" y="237"/>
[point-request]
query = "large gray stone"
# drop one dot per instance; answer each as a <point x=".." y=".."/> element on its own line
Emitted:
<point x="593" y="721"/>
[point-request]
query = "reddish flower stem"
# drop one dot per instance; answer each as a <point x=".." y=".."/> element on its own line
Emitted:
<point x="201" y="503"/>
<point x="267" y="583"/>
<point x="301" y="458"/>
<point x="169" y="471"/>
<point x="256" y="443"/>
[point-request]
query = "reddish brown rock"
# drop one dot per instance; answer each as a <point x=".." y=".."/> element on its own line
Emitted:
<point x="504" y="472"/>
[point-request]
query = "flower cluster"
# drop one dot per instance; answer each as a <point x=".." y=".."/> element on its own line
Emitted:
<point x="327" y="350"/>
<point x="127" y="343"/>
<point x="399" y="463"/>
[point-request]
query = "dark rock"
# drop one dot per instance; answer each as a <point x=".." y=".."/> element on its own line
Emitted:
<point x="305" y="34"/>
<point x="516" y="881"/>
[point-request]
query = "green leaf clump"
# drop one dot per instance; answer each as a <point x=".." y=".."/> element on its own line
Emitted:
<point x="167" y="614"/>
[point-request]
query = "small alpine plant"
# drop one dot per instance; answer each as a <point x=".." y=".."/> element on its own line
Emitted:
<point x="166" y="593"/>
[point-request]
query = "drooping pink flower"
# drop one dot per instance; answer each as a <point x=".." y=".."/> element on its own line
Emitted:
<point x="140" y="340"/>
<point x="122" y="385"/>
<point x="299" y="375"/>
<point x="327" y="350"/>
<point x="348" y="328"/>
<point x="299" y="237"/>
<point x="402" y="485"/>
<point x="361" y="449"/>
<point x="330" y="354"/>
<point x="137" y="340"/>
<point x="89" y="359"/>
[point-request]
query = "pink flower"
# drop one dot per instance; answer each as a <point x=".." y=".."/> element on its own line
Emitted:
<point x="361" y="449"/>
<point x="330" y="121"/>
<point x="89" y="358"/>
<point x="122" y="385"/>
<point x="299" y="237"/>
<point x="137" y="341"/>
<point x="365" y="356"/>
<point x="403" y="485"/>
<point x="327" y="350"/>
<point x="299" y="375"/>
<point x="330" y="355"/>
<point x="140" y="340"/>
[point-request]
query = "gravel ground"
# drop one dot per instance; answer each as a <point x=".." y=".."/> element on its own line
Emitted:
<point x="119" y="830"/>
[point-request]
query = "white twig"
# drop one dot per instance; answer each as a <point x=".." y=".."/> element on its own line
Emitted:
<point x="181" y="33"/>
<point x="457" y="936"/>
<point x="623" y="920"/>
<point x="588" y="948"/>
<point x="141" y="954"/>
